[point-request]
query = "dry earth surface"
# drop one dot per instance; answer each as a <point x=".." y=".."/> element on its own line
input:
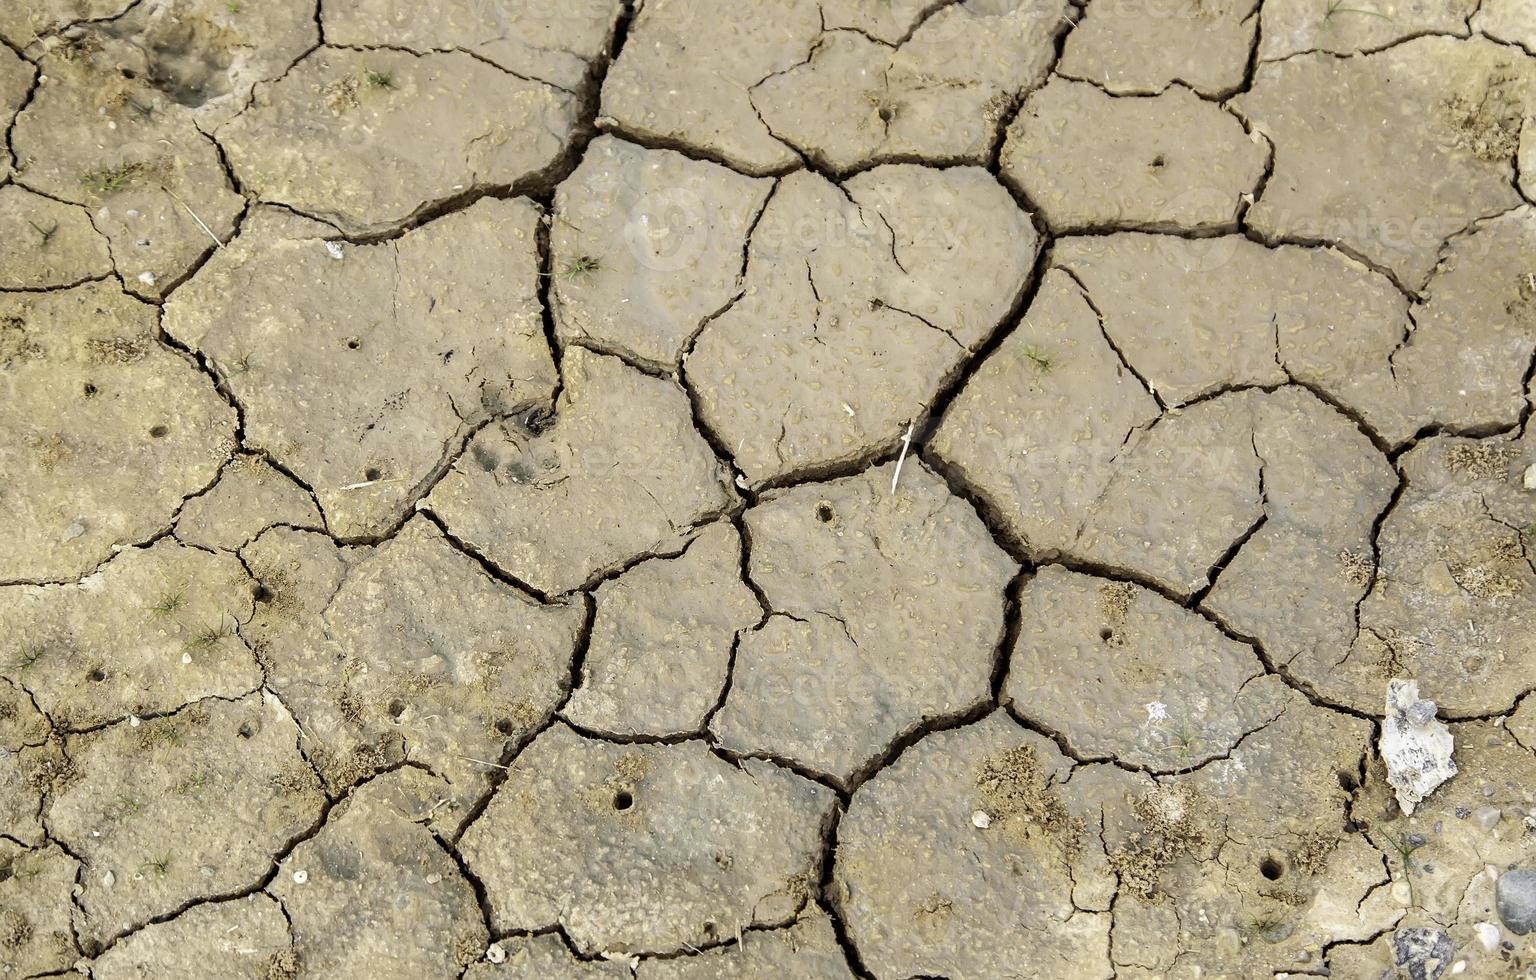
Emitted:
<point x="684" y="489"/>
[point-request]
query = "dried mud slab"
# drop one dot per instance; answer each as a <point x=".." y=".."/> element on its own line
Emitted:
<point x="1091" y="161"/>
<point x="110" y="430"/>
<point x="1454" y="599"/>
<point x="250" y="497"/>
<point x="375" y="894"/>
<point x="808" y="949"/>
<point x="1457" y="108"/>
<point x="1279" y="482"/>
<point x="661" y="642"/>
<point x="243" y="939"/>
<point x="1507" y="20"/>
<point x="36" y="933"/>
<point x="646" y="246"/>
<point x="1194" y="317"/>
<point x="362" y="368"/>
<point x="213" y="793"/>
<point x="887" y="613"/>
<point x="686" y="72"/>
<point x="207" y="55"/>
<point x="16" y="78"/>
<point x="860" y="302"/>
<point x="1248" y="866"/>
<point x="559" y="44"/>
<point x="1092" y="661"/>
<point x="937" y="95"/>
<point x="23" y="23"/>
<point x="153" y="630"/>
<point x="29" y="758"/>
<point x="46" y="244"/>
<point x="1005" y="436"/>
<point x="617" y="472"/>
<point x="967" y="858"/>
<point x="1140" y="47"/>
<point x="413" y="653"/>
<point x="645" y="848"/>
<point x="1461" y="840"/>
<point x="1292" y="27"/>
<point x="366" y="141"/>
<point x="544" y="957"/>
<point x="100" y="134"/>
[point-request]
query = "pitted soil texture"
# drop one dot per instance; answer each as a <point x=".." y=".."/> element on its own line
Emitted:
<point x="782" y="488"/>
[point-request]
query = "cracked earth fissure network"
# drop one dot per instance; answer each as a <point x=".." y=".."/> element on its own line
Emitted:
<point x="993" y="748"/>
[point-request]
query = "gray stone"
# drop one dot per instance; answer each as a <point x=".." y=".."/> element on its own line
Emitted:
<point x="647" y="848"/>
<point x="1517" y="900"/>
<point x="617" y="473"/>
<point x="887" y="612"/>
<point x="1090" y="161"/>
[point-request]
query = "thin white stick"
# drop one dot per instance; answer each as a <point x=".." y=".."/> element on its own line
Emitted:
<point x="200" y="224"/>
<point x="906" y="444"/>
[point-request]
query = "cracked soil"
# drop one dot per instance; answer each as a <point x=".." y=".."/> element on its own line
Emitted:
<point x="773" y="488"/>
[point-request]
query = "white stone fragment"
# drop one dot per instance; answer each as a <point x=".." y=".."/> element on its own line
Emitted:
<point x="1415" y="747"/>
<point x="1529" y="481"/>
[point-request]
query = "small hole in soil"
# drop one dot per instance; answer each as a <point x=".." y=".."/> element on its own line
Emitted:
<point x="504" y="726"/>
<point x="1350" y="827"/>
<point x="1270" y="868"/>
<point x="622" y="800"/>
<point x="371" y="473"/>
<point x="90" y="390"/>
<point x="396" y="709"/>
<point x="824" y="512"/>
<point x="128" y="73"/>
<point x="97" y="675"/>
<point x="711" y="930"/>
<point x="261" y="593"/>
<point x="1106" y="633"/>
<point x="1347" y="781"/>
<point x="246" y="730"/>
<point x="353" y="343"/>
<point x="159" y="431"/>
<point x="6" y="874"/>
<point x="1158" y="162"/>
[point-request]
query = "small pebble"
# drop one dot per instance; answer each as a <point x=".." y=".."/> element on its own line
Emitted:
<point x="147" y="278"/>
<point x="1487" y="817"/>
<point x="74" y="531"/>
<point x="109" y="879"/>
<point x="299" y="877"/>
<point x="495" y="953"/>
<point x="982" y="819"/>
<point x="1515" y="896"/>
<point x="1488" y="935"/>
<point x="334" y="248"/>
<point x="1529" y="481"/>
